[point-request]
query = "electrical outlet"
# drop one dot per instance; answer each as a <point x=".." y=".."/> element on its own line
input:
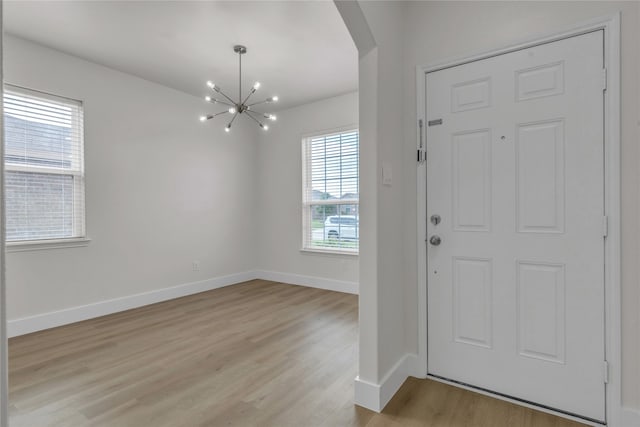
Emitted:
<point x="196" y="265"/>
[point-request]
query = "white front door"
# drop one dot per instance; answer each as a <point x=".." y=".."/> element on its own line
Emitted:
<point x="515" y="173"/>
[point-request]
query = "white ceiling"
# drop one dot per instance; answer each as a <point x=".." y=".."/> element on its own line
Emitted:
<point x="300" y="51"/>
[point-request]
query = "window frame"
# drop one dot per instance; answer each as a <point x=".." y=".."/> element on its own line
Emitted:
<point x="306" y="190"/>
<point x="76" y="171"/>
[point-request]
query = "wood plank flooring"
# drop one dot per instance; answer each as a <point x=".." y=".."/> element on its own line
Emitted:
<point x="254" y="354"/>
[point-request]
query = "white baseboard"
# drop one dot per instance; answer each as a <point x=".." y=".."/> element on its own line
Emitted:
<point x="376" y="396"/>
<point x="310" y="281"/>
<point x="52" y="319"/>
<point x="415" y="368"/>
<point x="630" y="417"/>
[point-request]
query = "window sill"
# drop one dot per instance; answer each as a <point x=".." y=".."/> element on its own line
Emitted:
<point x="328" y="252"/>
<point x="37" y="245"/>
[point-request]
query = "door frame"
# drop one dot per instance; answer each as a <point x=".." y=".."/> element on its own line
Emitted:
<point x="611" y="26"/>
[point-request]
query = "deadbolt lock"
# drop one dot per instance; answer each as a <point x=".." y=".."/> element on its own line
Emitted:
<point x="435" y="219"/>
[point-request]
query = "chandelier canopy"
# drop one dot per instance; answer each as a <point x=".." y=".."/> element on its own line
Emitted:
<point x="240" y="106"/>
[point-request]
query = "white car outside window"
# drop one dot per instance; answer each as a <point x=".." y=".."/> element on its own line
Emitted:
<point x="344" y="227"/>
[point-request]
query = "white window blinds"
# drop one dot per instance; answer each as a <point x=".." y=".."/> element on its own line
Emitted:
<point x="331" y="219"/>
<point x="44" y="166"/>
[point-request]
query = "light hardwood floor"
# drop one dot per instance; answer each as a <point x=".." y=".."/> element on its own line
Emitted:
<point x="253" y="354"/>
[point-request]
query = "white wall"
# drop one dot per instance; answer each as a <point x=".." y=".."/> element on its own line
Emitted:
<point x="440" y="30"/>
<point x="279" y="190"/>
<point x="162" y="189"/>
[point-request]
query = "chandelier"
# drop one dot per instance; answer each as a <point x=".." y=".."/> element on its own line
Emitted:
<point x="240" y="106"/>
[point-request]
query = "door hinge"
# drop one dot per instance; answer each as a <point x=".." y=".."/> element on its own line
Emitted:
<point x="422" y="156"/>
<point x="606" y="372"/>
<point x="605" y="226"/>
<point x="604" y="79"/>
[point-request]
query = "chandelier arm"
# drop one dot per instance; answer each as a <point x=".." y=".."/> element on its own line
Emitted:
<point x="248" y="96"/>
<point x="233" y="118"/>
<point x="257" y="103"/>
<point x="225" y="95"/>
<point x="240" y="77"/>
<point x="254" y="119"/>
<point x="211" y="116"/>
<point x="217" y="101"/>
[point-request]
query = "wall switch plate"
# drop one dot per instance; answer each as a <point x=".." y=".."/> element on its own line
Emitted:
<point x="196" y="265"/>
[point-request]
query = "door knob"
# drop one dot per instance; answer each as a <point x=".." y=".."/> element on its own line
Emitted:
<point x="435" y="240"/>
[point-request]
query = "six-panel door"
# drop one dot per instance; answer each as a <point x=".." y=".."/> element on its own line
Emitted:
<point x="515" y="171"/>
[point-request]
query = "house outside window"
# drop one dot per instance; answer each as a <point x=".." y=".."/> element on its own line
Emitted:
<point x="331" y="217"/>
<point x="44" y="166"/>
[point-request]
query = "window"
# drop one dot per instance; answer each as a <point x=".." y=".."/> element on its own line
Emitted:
<point x="331" y="219"/>
<point x="44" y="166"/>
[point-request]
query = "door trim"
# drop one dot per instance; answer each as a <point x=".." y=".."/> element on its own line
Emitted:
<point x="611" y="27"/>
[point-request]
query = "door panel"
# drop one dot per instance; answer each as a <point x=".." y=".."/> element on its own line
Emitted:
<point x="515" y="171"/>
<point x="472" y="283"/>
<point x="471" y="169"/>
<point x="541" y="311"/>
<point x="540" y="176"/>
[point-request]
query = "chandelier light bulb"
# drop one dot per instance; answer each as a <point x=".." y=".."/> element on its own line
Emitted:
<point x="203" y="118"/>
<point x="275" y="99"/>
<point x="210" y="84"/>
<point x="232" y="110"/>
<point x="207" y="98"/>
<point x="256" y="85"/>
<point x="265" y="127"/>
<point x="228" y="128"/>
